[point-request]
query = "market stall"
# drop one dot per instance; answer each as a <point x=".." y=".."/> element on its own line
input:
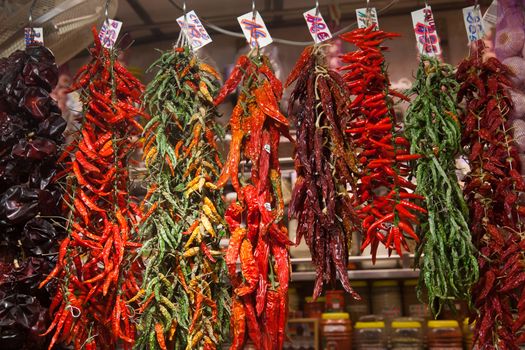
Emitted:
<point x="262" y="175"/>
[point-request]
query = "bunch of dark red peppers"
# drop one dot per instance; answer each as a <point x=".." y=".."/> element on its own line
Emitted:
<point x="31" y="128"/>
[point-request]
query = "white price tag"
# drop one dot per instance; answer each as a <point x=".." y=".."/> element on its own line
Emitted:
<point x="195" y="31"/>
<point x="426" y="33"/>
<point x="267" y="148"/>
<point x="34" y="36"/>
<point x="255" y="31"/>
<point x="268" y="206"/>
<point x="317" y="26"/>
<point x="365" y="19"/>
<point x="109" y="33"/>
<point x="473" y="23"/>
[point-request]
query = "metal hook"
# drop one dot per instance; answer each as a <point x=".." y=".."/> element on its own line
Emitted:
<point x="254" y="11"/>
<point x="31" y="8"/>
<point x="317" y="8"/>
<point x="368" y="13"/>
<point x="106" y="12"/>
<point x="185" y="14"/>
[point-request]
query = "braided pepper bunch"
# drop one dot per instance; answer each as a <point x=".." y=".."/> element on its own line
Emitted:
<point x="184" y="295"/>
<point x="384" y="200"/>
<point x="493" y="188"/>
<point x="449" y="267"/>
<point x="31" y="127"/>
<point x="258" y="236"/>
<point x="326" y="168"/>
<point x="97" y="267"/>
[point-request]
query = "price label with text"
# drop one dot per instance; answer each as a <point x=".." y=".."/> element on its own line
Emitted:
<point x="109" y="33"/>
<point x="426" y="33"/>
<point x="317" y="26"/>
<point x="34" y="36"/>
<point x="473" y="23"/>
<point x="254" y="29"/>
<point x="195" y="31"/>
<point x="367" y="17"/>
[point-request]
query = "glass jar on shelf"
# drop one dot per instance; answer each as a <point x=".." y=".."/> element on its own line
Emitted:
<point x="444" y="334"/>
<point x="336" y="331"/>
<point x="358" y="308"/>
<point x="386" y="299"/>
<point x="335" y="301"/>
<point x="370" y="336"/>
<point x="406" y="335"/>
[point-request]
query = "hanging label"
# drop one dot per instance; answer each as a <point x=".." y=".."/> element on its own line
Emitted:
<point x="317" y="26"/>
<point x="268" y="206"/>
<point x="195" y="31"/>
<point x="109" y="33"/>
<point x="473" y="23"/>
<point x="365" y="19"/>
<point x="255" y="30"/>
<point x="426" y="34"/>
<point x="34" y="36"/>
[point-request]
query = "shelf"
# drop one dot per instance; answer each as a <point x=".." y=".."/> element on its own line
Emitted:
<point x="368" y="274"/>
<point x="404" y="272"/>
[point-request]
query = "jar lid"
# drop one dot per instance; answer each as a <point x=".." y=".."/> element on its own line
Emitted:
<point x="410" y="283"/>
<point x="336" y="316"/>
<point x="364" y="325"/>
<point x="311" y="300"/>
<point x="359" y="284"/>
<point x="406" y="324"/>
<point x="443" y="324"/>
<point x="385" y="283"/>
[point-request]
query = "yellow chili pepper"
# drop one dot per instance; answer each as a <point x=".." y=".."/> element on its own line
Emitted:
<point x="190" y="252"/>
<point x="204" y="91"/>
<point x="207" y="225"/>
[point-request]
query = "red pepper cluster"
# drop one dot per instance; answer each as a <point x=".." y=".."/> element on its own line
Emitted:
<point x="259" y="236"/>
<point x="493" y="188"/>
<point x="326" y="168"/>
<point x="31" y="127"/>
<point x="384" y="199"/>
<point x="96" y="267"/>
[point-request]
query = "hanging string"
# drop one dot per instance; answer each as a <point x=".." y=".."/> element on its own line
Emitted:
<point x="285" y="41"/>
<point x="317" y="11"/>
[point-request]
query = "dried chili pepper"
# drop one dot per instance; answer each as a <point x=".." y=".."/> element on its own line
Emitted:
<point x="493" y="188"/>
<point x="183" y="227"/>
<point x="255" y="219"/>
<point x="326" y="167"/>
<point x="449" y="267"/>
<point x="31" y="140"/>
<point x="98" y="267"/>
<point x="375" y="130"/>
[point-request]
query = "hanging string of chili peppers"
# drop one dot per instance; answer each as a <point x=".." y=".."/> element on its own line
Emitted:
<point x="493" y="188"/>
<point x="184" y="298"/>
<point x="449" y="267"/>
<point x="31" y="127"/>
<point x="326" y="168"/>
<point x="97" y="267"/>
<point x="384" y="198"/>
<point x="258" y="235"/>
